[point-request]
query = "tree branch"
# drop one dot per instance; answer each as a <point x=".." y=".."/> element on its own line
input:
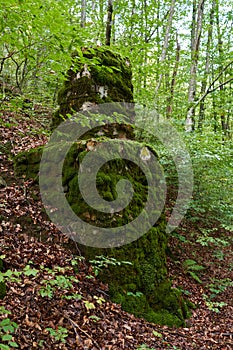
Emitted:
<point x="208" y="91"/>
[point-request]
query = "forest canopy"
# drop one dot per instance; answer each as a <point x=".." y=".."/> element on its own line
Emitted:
<point x="181" y="51"/>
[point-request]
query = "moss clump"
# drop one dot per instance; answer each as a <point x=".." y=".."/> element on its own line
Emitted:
<point x="27" y="163"/>
<point x="2" y="284"/>
<point x="97" y="75"/>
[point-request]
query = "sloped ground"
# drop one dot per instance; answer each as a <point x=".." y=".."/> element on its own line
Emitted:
<point x="91" y="320"/>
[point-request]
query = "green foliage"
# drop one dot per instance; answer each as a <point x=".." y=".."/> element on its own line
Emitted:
<point x="205" y="239"/>
<point x="59" y="334"/>
<point x="192" y="267"/>
<point x="216" y="288"/>
<point x="57" y="280"/>
<point x="219" y="286"/>
<point x="213" y="169"/>
<point x="157" y="334"/>
<point x="7" y="327"/>
<point x="101" y="262"/>
<point x="214" y="306"/>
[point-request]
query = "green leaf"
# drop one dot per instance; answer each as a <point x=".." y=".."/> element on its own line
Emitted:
<point x="195" y="277"/>
<point x="6" y="337"/>
<point x="157" y="334"/>
<point x="4" y="311"/>
<point x="28" y="271"/>
<point x="88" y="305"/>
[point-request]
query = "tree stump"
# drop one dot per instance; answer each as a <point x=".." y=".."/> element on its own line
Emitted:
<point x="97" y="76"/>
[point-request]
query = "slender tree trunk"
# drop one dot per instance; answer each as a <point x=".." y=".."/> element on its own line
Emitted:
<point x="83" y="13"/>
<point x="109" y="23"/>
<point x="195" y="46"/>
<point x="223" y="118"/>
<point x="207" y="65"/>
<point x="166" y="42"/>
<point x="173" y="81"/>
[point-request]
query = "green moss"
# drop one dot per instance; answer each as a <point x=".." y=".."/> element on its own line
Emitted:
<point x="27" y="163"/>
<point x="2" y="284"/>
<point x="164" y="317"/>
<point x="2" y="290"/>
<point x="105" y="68"/>
<point x="148" y="273"/>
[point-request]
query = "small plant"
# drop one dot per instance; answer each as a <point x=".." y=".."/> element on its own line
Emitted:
<point x="102" y="262"/>
<point x="6" y="328"/>
<point x="192" y="267"/>
<point x="144" y="347"/>
<point x="88" y="305"/>
<point x="94" y="318"/>
<point x="180" y="237"/>
<point x="157" y="334"/>
<point x="219" y="286"/>
<point x="218" y="254"/>
<point x="59" y="334"/>
<point x="206" y="239"/>
<point x="213" y="305"/>
<point x="57" y="282"/>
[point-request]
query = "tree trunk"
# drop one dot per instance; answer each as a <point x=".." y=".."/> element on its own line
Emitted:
<point x="195" y="45"/>
<point x="223" y="118"/>
<point x="142" y="285"/>
<point x="83" y="13"/>
<point x="166" y="42"/>
<point x="109" y="23"/>
<point x="173" y="81"/>
<point x="207" y="65"/>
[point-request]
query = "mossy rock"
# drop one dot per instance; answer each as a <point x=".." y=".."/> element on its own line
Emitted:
<point x="97" y="75"/>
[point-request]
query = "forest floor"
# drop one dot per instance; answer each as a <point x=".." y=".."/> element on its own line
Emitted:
<point x="41" y="300"/>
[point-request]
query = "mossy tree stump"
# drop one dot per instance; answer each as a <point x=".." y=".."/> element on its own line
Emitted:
<point x="143" y="288"/>
<point x="96" y="76"/>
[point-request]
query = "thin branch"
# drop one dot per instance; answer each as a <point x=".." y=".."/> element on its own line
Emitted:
<point x="208" y="91"/>
<point x="218" y="76"/>
<point x="74" y="324"/>
<point x="220" y="85"/>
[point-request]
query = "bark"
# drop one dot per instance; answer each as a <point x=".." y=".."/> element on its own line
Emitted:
<point x="166" y="42"/>
<point x="207" y="65"/>
<point x="83" y="13"/>
<point x="224" y="123"/>
<point x="173" y="82"/>
<point x="109" y="23"/>
<point x="195" y="46"/>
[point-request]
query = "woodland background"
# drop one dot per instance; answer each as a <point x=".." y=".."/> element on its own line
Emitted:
<point x="181" y="56"/>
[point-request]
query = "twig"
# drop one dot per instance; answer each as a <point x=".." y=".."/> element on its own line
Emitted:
<point x="74" y="324"/>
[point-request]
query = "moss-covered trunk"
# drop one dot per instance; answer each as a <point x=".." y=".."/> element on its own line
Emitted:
<point x="142" y="287"/>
